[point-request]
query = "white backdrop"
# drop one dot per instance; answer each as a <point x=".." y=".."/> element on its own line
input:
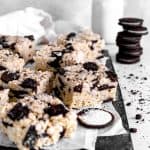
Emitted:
<point x="137" y="8"/>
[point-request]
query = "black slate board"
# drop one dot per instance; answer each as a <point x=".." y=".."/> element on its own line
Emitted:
<point x="118" y="142"/>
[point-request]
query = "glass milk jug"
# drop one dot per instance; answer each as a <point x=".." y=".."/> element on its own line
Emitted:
<point x="105" y="18"/>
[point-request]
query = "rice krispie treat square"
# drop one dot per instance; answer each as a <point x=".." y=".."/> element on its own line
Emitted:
<point x="94" y="42"/>
<point x="10" y="61"/>
<point x="48" y="57"/>
<point x="69" y="50"/>
<point x="37" y="121"/>
<point x="26" y="82"/>
<point x="31" y="82"/>
<point x="85" y="85"/>
<point x="24" y="46"/>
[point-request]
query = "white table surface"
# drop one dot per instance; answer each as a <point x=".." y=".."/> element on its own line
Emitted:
<point x="141" y="139"/>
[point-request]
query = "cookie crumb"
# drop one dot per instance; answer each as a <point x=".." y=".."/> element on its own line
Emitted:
<point x="144" y="78"/>
<point x="138" y="116"/>
<point x="134" y="92"/>
<point x="128" y="104"/>
<point x="141" y="65"/>
<point x="133" y="130"/>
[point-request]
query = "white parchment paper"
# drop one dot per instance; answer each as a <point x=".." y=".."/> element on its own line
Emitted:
<point x="43" y="23"/>
<point x="83" y="137"/>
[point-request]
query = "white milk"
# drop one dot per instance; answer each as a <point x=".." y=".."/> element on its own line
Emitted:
<point x="105" y="18"/>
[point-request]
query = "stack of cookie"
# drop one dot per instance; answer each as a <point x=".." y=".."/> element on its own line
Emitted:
<point x="129" y="39"/>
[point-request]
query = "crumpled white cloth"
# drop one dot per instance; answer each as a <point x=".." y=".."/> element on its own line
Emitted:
<point x="40" y="24"/>
<point x="32" y="21"/>
<point x="26" y="22"/>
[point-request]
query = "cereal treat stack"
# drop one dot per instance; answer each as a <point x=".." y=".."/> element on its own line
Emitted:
<point x="68" y="50"/>
<point x="26" y="82"/>
<point x="23" y="46"/>
<point x="29" y="115"/>
<point x="31" y="82"/>
<point x="75" y="84"/>
<point x="36" y="121"/>
<point x="92" y="40"/>
<point x="48" y="57"/>
<point x="10" y="66"/>
<point x="85" y="84"/>
<point x="36" y="103"/>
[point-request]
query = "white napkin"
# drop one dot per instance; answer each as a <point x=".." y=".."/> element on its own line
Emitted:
<point x="29" y="21"/>
<point x="32" y="21"/>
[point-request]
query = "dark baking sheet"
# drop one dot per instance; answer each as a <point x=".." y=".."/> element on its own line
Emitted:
<point x="118" y="142"/>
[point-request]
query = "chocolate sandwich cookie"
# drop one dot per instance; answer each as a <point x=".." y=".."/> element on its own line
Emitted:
<point x="129" y="53"/>
<point x="128" y="40"/>
<point x="130" y="49"/>
<point x="128" y="45"/>
<point x="90" y="118"/>
<point x="127" y="37"/>
<point x="130" y="22"/>
<point x="126" y="27"/>
<point x="127" y="59"/>
<point x="138" y="31"/>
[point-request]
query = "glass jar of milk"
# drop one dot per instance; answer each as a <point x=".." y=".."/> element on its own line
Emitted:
<point x="105" y="18"/>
